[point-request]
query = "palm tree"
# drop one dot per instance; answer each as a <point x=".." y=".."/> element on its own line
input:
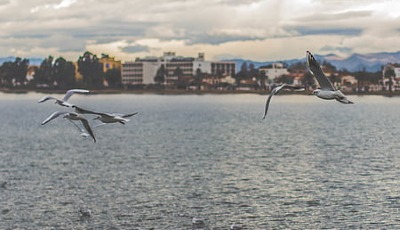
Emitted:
<point x="160" y="75"/>
<point x="388" y="72"/>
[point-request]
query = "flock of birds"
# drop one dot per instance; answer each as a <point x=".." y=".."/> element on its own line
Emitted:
<point x="326" y="91"/>
<point x="104" y="118"/>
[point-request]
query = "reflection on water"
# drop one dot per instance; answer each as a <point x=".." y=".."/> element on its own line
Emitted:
<point x="311" y="164"/>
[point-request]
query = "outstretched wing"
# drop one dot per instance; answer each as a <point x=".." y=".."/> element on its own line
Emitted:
<point x="72" y="91"/>
<point x="88" y="129"/>
<point x="45" y="98"/>
<point x="129" y="115"/>
<point x="273" y="92"/>
<point x="316" y="70"/>
<point x="53" y="116"/>
<point x="294" y="88"/>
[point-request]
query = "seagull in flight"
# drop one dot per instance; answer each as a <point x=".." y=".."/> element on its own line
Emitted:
<point x="106" y="117"/>
<point x="64" y="101"/>
<point x="326" y="91"/>
<point x="114" y="117"/>
<point x="72" y="117"/>
<point x="277" y="90"/>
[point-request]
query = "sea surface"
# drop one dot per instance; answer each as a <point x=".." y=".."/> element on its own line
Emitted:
<point x="207" y="159"/>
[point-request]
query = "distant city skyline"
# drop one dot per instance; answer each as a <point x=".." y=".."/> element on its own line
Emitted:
<point x="222" y="29"/>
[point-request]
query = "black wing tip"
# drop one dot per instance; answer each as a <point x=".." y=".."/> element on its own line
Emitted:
<point x="310" y="56"/>
<point x="311" y="61"/>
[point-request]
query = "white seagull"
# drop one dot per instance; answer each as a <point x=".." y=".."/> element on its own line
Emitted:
<point x="64" y="101"/>
<point x="326" y="91"/>
<point x="277" y="90"/>
<point x="114" y="117"/>
<point x="106" y="117"/>
<point x="72" y="117"/>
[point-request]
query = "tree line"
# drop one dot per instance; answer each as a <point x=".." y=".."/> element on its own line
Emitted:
<point x="59" y="73"/>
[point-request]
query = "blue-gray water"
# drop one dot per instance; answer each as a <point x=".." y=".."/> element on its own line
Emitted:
<point x="311" y="164"/>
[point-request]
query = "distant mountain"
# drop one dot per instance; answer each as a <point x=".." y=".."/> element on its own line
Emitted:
<point x="32" y="61"/>
<point x="371" y="62"/>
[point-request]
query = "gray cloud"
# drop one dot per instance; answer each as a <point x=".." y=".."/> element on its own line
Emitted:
<point x="216" y="39"/>
<point x="336" y="16"/>
<point x="135" y="49"/>
<point x="239" y="2"/>
<point x="42" y="26"/>
<point x="346" y="50"/>
<point x="328" y="31"/>
<point x="5" y="2"/>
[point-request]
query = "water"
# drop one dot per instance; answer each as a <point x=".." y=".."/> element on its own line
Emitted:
<point x="311" y="164"/>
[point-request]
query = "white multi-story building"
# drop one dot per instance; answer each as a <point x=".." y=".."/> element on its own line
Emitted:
<point x="143" y="70"/>
<point x="275" y="70"/>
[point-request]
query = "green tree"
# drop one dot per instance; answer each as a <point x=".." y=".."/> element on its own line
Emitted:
<point x="308" y="80"/>
<point x="44" y="74"/>
<point x="262" y="78"/>
<point x="160" y="75"/>
<point x="298" y="67"/>
<point x="360" y="77"/>
<point x="91" y="70"/>
<point x="182" y="82"/>
<point x="14" y="73"/>
<point x="242" y="74"/>
<point x="113" y="78"/>
<point x="198" y="77"/>
<point x="285" y="79"/>
<point x="6" y="74"/>
<point x="64" y="73"/>
<point x="388" y="72"/>
<point x="20" y="70"/>
<point x="252" y="72"/>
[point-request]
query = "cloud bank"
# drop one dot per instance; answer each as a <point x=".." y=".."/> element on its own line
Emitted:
<point x="251" y="29"/>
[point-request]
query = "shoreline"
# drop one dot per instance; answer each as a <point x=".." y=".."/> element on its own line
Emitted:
<point x="186" y="92"/>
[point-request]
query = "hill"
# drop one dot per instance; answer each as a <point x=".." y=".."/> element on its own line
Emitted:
<point x="371" y="62"/>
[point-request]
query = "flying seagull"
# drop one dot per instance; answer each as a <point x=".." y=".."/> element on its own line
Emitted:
<point x="326" y="91"/>
<point x="114" y="117"/>
<point x="72" y="117"/>
<point x="106" y="117"/>
<point x="64" y="101"/>
<point x="277" y="90"/>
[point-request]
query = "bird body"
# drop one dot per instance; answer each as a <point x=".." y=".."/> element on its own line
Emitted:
<point x="64" y="101"/>
<point x="105" y="117"/>
<point x="327" y="91"/>
<point x="72" y="117"/>
<point x="113" y="117"/>
<point x="332" y="95"/>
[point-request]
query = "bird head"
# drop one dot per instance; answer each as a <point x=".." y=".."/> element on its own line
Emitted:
<point x="315" y="92"/>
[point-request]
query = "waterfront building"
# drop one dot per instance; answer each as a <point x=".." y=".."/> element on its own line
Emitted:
<point x="177" y="68"/>
<point x="274" y="70"/>
<point x="109" y="63"/>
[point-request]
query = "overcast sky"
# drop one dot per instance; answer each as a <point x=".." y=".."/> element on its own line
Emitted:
<point x="260" y="30"/>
